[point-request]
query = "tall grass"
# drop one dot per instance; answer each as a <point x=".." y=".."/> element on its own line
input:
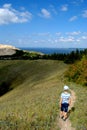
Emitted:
<point x="77" y="73"/>
<point x="33" y="102"/>
<point x="78" y="117"/>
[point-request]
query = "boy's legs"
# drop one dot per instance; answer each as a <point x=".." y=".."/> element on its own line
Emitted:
<point x="61" y="114"/>
<point x="64" y="110"/>
<point x="65" y="115"/>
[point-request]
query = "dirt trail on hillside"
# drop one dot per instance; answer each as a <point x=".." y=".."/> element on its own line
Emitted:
<point x="65" y="125"/>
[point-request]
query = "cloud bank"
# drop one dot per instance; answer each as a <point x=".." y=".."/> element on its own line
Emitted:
<point x="9" y="15"/>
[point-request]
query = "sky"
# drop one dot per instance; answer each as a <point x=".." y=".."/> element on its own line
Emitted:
<point x="44" y="23"/>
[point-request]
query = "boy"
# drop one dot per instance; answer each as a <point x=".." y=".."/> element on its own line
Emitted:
<point x="65" y="101"/>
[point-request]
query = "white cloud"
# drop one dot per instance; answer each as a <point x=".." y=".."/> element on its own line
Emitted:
<point x="84" y="37"/>
<point x="84" y="14"/>
<point x="45" y="13"/>
<point x="73" y="33"/>
<point x="6" y="5"/>
<point x="47" y="39"/>
<point x="10" y="15"/>
<point x="67" y="39"/>
<point x="77" y="40"/>
<point x="64" y="8"/>
<point x="73" y="18"/>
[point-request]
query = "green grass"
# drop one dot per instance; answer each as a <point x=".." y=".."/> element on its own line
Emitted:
<point x="77" y="73"/>
<point x="79" y="116"/>
<point x="33" y="103"/>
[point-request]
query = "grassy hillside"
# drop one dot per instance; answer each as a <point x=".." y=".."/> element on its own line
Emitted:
<point x="33" y="102"/>
<point x="16" y="72"/>
<point x="77" y="72"/>
<point x="78" y="117"/>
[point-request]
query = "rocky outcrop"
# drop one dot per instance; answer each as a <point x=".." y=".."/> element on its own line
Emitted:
<point x="7" y="50"/>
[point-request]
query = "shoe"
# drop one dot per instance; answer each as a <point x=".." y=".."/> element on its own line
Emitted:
<point x="62" y="117"/>
<point x="65" y="118"/>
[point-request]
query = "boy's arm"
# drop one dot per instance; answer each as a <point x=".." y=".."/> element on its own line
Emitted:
<point x="60" y="102"/>
<point x="69" y="101"/>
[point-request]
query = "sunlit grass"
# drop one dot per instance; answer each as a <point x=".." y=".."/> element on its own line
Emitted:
<point x="33" y="104"/>
<point x="77" y="73"/>
<point x="79" y="115"/>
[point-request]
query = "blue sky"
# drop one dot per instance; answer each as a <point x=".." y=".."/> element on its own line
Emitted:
<point x="47" y="23"/>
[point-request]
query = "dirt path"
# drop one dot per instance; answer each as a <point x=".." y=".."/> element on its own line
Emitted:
<point x="65" y="125"/>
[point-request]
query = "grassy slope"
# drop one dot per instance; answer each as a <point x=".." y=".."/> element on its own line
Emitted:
<point x="78" y="74"/>
<point x="33" y="103"/>
<point x="79" y="116"/>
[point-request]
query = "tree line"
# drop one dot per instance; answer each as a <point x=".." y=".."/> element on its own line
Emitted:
<point x="68" y="58"/>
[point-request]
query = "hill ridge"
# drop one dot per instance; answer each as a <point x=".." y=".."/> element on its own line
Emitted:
<point x="7" y="49"/>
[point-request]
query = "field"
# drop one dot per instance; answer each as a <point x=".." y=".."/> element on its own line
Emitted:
<point x="33" y="101"/>
<point x="79" y="115"/>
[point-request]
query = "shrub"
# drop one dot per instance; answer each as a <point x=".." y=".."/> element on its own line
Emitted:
<point x="78" y="72"/>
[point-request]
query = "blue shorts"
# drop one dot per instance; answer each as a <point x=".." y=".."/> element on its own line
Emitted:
<point x="64" y="107"/>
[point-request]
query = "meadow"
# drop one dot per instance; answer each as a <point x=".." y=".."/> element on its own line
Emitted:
<point x="33" y="100"/>
<point x="78" y="115"/>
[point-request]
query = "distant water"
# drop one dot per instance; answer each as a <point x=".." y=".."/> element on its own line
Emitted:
<point x="52" y="50"/>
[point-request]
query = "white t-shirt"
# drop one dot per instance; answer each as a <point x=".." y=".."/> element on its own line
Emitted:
<point x="65" y="97"/>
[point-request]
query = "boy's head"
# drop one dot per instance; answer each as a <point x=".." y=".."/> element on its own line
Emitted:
<point x="66" y="87"/>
